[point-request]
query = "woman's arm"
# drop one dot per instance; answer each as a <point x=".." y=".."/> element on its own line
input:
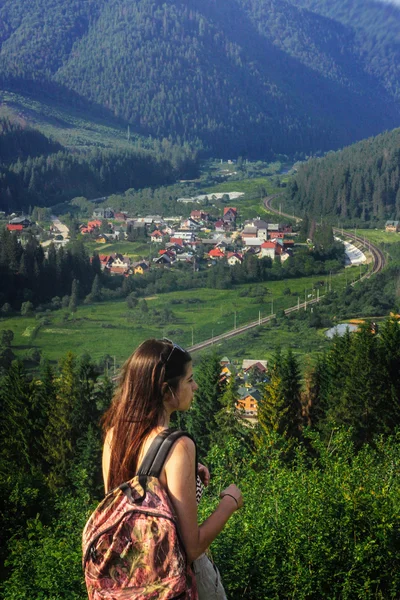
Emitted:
<point x="181" y="483"/>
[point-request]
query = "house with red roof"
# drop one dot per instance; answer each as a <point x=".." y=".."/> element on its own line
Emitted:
<point x="229" y="218"/>
<point x="105" y="261"/>
<point x="199" y="215"/>
<point x="156" y="236"/>
<point x="12" y="227"/>
<point x="234" y="258"/>
<point x="268" y="249"/>
<point x="176" y="241"/>
<point x="216" y="253"/>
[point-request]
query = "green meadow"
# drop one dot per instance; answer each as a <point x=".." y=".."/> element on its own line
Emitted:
<point x="250" y="205"/>
<point x="111" y="328"/>
<point x="135" y="250"/>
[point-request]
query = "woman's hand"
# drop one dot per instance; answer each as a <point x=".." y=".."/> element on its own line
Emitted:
<point x="233" y="493"/>
<point x="204" y="474"/>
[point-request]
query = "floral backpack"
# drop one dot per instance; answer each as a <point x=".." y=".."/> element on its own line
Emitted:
<point x="131" y="544"/>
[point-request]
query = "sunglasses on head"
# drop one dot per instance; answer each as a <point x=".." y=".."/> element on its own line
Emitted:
<point x="174" y="347"/>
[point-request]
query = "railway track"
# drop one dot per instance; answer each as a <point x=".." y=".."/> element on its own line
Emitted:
<point x="378" y="264"/>
<point x="377" y="254"/>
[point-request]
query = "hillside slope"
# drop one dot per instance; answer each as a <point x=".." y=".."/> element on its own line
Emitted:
<point x="359" y="182"/>
<point x="249" y="77"/>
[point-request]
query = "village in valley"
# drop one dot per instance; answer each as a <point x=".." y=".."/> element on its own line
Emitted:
<point x="200" y="237"/>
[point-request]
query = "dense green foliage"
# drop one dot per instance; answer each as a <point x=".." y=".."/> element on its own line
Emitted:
<point x="18" y="142"/>
<point x="35" y="171"/>
<point x="359" y="182"/>
<point x="27" y="275"/>
<point x="321" y="507"/>
<point x="245" y="77"/>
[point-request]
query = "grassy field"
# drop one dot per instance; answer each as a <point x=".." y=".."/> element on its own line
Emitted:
<point x="111" y="328"/>
<point x="135" y="250"/>
<point x="385" y="240"/>
<point x="250" y="205"/>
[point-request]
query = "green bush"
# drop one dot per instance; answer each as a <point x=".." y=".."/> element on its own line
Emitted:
<point x="322" y="528"/>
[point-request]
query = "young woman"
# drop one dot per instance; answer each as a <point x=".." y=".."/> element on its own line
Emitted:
<point x="156" y="381"/>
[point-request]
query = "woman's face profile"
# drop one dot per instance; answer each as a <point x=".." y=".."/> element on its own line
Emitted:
<point x="186" y="389"/>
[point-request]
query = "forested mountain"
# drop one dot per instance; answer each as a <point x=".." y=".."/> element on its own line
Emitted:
<point x="248" y="77"/>
<point x="359" y="182"/>
<point x="377" y="34"/>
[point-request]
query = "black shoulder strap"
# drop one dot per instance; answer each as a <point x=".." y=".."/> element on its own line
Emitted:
<point x="156" y="455"/>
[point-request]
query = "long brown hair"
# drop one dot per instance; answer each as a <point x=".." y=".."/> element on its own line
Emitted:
<point x="137" y="405"/>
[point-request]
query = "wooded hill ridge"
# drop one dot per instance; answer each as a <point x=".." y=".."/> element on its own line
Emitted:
<point x="34" y="170"/>
<point x="359" y="182"/>
<point x="245" y="77"/>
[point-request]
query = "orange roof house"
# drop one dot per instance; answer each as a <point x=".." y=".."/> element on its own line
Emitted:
<point x="15" y="227"/>
<point x="216" y="253"/>
<point x="93" y="224"/>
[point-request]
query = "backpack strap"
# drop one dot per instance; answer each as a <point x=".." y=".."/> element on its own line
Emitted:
<point x="154" y="460"/>
<point x="157" y="454"/>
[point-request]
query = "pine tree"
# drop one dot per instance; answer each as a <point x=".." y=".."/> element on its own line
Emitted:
<point x="280" y="409"/>
<point x="206" y="403"/>
<point x="73" y="301"/>
<point x="95" y="293"/>
<point x="57" y="437"/>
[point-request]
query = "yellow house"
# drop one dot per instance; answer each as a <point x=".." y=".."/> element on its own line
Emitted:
<point x="101" y="239"/>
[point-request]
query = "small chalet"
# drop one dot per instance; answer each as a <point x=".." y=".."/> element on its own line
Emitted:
<point x="221" y="226"/>
<point x="258" y="366"/>
<point x="102" y="239"/>
<point x="260" y="225"/>
<point x="12" y="227"/>
<point x="156" y="236"/>
<point x="269" y="249"/>
<point x="248" y="402"/>
<point x="216" y="253"/>
<point x="121" y="261"/>
<point x="230" y="214"/>
<point x="163" y="260"/>
<point x="392" y="226"/>
<point x="24" y="221"/>
<point x="234" y="258"/>
<point x="199" y="215"/>
<point x="176" y="241"/>
<point x="190" y="224"/>
<point x="105" y="261"/>
<point x="140" y="267"/>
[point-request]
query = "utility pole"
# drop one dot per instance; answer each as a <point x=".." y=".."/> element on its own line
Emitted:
<point x="298" y="302"/>
<point x="235" y="320"/>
